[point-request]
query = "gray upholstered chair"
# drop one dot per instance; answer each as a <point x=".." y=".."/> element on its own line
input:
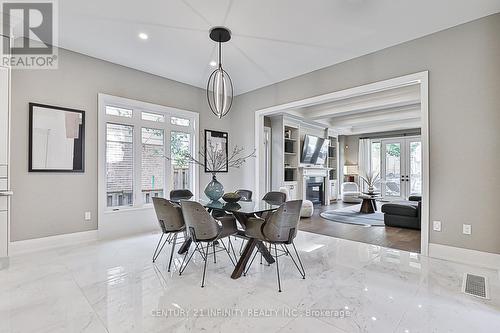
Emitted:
<point x="183" y="194"/>
<point x="246" y="195"/>
<point x="350" y="192"/>
<point x="171" y="224"/>
<point x="205" y="229"/>
<point x="275" y="197"/>
<point x="279" y="228"/>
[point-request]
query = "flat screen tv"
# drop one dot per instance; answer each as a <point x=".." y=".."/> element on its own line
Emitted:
<point x="314" y="150"/>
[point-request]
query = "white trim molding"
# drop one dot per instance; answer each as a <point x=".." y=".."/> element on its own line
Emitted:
<point x="51" y="242"/>
<point x="421" y="79"/>
<point x="466" y="256"/>
<point x="116" y="222"/>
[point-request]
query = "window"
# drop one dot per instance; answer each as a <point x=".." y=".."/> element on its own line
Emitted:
<point x="152" y="163"/>
<point x="139" y="146"/>
<point x="120" y="112"/>
<point x="119" y="165"/>
<point x="153" y="117"/>
<point x="180" y="145"/>
<point x="179" y="121"/>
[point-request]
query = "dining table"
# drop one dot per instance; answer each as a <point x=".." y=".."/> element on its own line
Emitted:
<point x="242" y="211"/>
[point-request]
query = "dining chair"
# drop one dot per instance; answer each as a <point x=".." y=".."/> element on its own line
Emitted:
<point x="182" y="194"/>
<point x="275" y="197"/>
<point x="171" y="224"/>
<point x="246" y="195"/>
<point x="205" y="229"/>
<point x="278" y="229"/>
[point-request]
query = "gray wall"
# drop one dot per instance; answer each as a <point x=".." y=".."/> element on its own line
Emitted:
<point x="54" y="203"/>
<point x="464" y="73"/>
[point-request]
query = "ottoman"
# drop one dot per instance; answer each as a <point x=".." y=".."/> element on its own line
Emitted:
<point x="307" y="209"/>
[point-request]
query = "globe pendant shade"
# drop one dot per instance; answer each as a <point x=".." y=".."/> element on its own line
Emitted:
<point x="220" y="92"/>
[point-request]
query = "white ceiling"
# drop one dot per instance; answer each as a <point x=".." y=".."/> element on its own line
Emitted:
<point x="388" y="110"/>
<point x="272" y="40"/>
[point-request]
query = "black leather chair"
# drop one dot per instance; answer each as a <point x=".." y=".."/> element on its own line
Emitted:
<point x="205" y="229"/>
<point x="279" y="228"/>
<point x="403" y="214"/>
<point x="171" y="224"/>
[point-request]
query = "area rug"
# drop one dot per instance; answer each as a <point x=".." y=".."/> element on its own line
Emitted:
<point x="351" y="215"/>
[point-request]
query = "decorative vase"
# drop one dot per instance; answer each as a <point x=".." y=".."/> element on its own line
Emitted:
<point x="214" y="190"/>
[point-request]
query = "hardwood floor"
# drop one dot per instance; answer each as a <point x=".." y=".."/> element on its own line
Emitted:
<point x="397" y="238"/>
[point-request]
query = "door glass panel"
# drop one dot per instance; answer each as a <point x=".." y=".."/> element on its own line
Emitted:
<point x="375" y="155"/>
<point x="181" y="170"/>
<point x="153" y="164"/>
<point x="416" y="168"/>
<point x="393" y="169"/>
<point x="119" y="165"/>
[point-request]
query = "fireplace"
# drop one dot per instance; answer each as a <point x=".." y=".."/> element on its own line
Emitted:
<point x="315" y="190"/>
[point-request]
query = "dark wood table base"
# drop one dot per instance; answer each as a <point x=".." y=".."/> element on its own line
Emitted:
<point x="250" y="246"/>
<point x="368" y="206"/>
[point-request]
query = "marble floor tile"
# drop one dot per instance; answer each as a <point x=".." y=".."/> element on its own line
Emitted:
<point x="112" y="286"/>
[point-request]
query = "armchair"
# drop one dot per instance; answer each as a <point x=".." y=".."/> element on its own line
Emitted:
<point x="350" y="192"/>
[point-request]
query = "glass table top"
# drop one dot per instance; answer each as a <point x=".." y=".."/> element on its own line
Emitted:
<point x="244" y="207"/>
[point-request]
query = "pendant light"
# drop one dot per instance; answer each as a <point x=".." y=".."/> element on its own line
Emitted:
<point x="220" y="86"/>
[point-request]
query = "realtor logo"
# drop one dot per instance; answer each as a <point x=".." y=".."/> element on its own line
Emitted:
<point x="31" y="26"/>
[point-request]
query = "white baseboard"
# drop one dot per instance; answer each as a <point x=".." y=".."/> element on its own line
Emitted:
<point x="466" y="256"/>
<point x="44" y="243"/>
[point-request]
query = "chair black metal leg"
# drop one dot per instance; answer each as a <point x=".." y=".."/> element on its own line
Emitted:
<point x="227" y="250"/>
<point x="213" y="248"/>
<point x="205" y="266"/>
<point x="270" y="248"/>
<point x="300" y="261"/>
<point x="172" y="251"/>
<point x="159" y="251"/>
<point x="261" y="258"/>
<point x="288" y="253"/>
<point x="183" y="266"/>
<point x="241" y="246"/>
<point x="250" y="264"/>
<point x="232" y="249"/>
<point x="277" y="268"/>
<point x="157" y="246"/>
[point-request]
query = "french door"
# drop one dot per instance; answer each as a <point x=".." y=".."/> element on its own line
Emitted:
<point x="401" y="167"/>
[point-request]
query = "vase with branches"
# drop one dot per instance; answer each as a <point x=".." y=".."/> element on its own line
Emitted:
<point x="371" y="178"/>
<point x="214" y="159"/>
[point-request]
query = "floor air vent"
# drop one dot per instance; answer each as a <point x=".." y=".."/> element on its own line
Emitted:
<point x="475" y="285"/>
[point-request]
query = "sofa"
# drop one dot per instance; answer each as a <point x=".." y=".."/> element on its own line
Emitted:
<point x="403" y="214"/>
<point x="350" y="192"/>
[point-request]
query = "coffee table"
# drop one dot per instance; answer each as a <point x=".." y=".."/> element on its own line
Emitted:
<point x="369" y="205"/>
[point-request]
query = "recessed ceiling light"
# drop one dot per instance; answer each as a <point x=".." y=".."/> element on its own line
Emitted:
<point x="143" y="36"/>
<point x="213" y="63"/>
